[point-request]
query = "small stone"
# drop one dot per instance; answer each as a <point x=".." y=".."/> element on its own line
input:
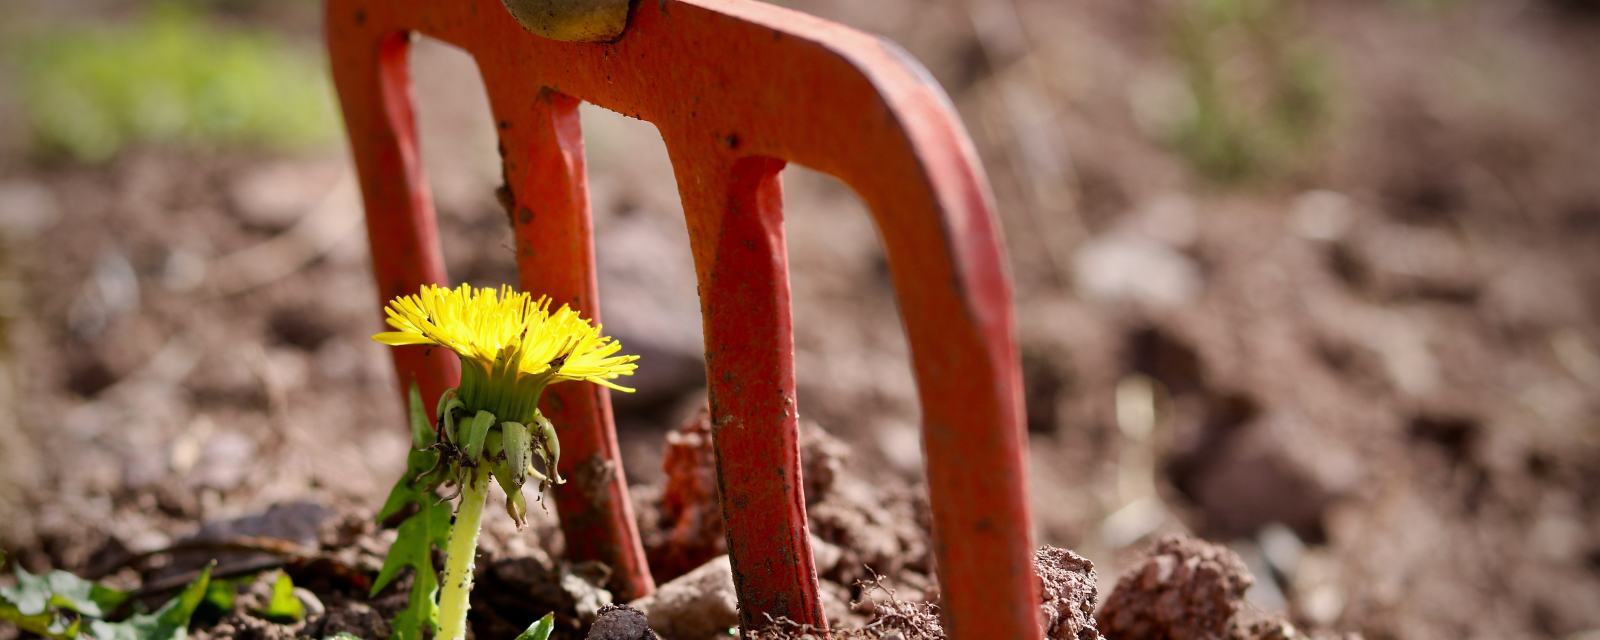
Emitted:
<point x="621" y="622"/>
<point x="699" y="604"/>
<point x="310" y="601"/>
<point x="1126" y="266"/>
<point x="26" y="209"/>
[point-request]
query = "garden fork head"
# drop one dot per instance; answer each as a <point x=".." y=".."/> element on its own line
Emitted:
<point x="737" y="88"/>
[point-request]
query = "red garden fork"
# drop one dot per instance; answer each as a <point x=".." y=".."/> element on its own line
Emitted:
<point x="737" y="88"/>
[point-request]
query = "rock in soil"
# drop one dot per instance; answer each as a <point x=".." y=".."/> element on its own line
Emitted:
<point x="348" y="616"/>
<point x="621" y="622"/>
<point x="699" y="605"/>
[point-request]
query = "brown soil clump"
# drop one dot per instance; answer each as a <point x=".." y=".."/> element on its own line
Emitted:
<point x="349" y="616"/>
<point x="1184" y="589"/>
<point x="239" y="626"/>
<point x="1067" y="594"/>
<point x="686" y="530"/>
<point x="1189" y="589"/>
<point x="621" y="622"/>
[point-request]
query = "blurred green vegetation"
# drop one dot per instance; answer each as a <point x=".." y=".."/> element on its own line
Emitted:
<point x="1260" y="92"/>
<point x="170" y="78"/>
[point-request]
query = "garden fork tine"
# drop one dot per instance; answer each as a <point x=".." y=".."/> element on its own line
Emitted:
<point x="737" y="88"/>
<point x="547" y="198"/>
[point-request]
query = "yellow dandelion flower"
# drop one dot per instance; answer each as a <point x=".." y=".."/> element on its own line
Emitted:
<point x="511" y="346"/>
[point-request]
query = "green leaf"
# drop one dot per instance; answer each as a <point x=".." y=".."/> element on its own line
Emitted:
<point x="36" y="603"/>
<point x="48" y="624"/>
<point x="422" y="435"/>
<point x="428" y="528"/>
<point x="284" y="607"/>
<point x="170" y="622"/>
<point x="343" y="635"/>
<point x="220" y="596"/>
<point x="408" y="491"/>
<point x="413" y="547"/>
<point x="540" y="629"/>
<point x="85" y="597"/>
<point x="31" y="595"/>
<point x="420" y="618"/>
<point x="221" y="593"/>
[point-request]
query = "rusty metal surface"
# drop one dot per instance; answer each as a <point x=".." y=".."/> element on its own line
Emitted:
<point x="547" y="198"/>
<point x="571" y="20"/>
<point x="736" y="88"/>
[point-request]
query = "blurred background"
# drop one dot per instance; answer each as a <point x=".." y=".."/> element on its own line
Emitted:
<point x="1317" y="278"/>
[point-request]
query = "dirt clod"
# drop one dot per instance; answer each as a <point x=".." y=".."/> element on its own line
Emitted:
<point x="1067" y="594"/>
<point x="1183" y="589"/>
<point x="348" y="616"/>
<point x="621" y="622"/>
<point x="238" y="626"/>
<point x="1268" y="627"/>
<point x="688" y="529"/>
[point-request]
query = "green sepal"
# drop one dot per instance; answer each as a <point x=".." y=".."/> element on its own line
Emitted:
<point x="540" y="629"/>
<point x="518" y="450"/>
<point x="476" y="431"/>
<point x="547" y="445"/>
<point x="494" y="444"/>
<point x="170" y="622"/>
<point x="448" y="416"/>
<point x="444" y="402"/>
<point x="516" y="504"/>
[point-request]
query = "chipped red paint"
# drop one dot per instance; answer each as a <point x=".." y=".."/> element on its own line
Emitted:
<point x="736" y="88"/>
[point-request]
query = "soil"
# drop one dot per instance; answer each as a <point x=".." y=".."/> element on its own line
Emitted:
<point x="1184" y="589"/>
<point x="1068" y="587"/>
<point x="1372" y="373"/>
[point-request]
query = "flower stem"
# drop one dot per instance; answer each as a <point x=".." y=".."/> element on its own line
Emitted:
<point x="453" y="600"/>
